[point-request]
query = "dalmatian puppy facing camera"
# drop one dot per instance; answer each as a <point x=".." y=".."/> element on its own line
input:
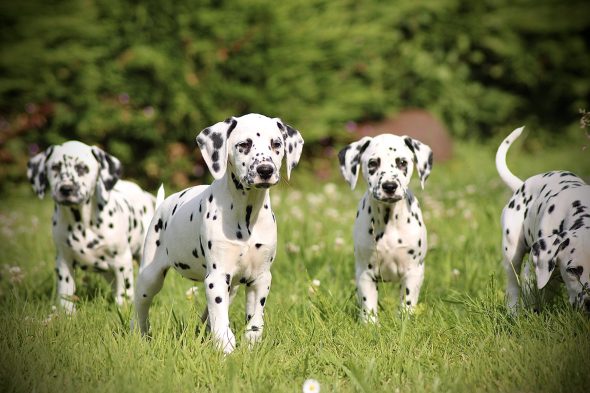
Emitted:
<point x="389" y="233"/>
<point x="224" y="234"/>
<point x="99" y="221"/>
<point x="547" y="216"/>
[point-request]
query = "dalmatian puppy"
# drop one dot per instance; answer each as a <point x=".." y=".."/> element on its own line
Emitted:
<point x="389" y="233"/>
<point x="99" y="221"/>
<point x="223" y="234"/>
<point x="548" y="216"/>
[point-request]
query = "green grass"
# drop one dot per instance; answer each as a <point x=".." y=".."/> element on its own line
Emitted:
<point x="459" y="340"/>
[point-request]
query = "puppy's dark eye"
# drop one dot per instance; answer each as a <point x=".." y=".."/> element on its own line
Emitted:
<point x="401" y="163"/>
<point x="81" y="169"/>
<point x="276" y="144"/>
<point x="56" y="167"/>
<point x="575" y="271"/>
<point x="245" y="146"/>
<point x="373" y="163"/>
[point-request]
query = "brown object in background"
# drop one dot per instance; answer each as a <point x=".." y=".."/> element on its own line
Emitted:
<point x="418" y="124"/>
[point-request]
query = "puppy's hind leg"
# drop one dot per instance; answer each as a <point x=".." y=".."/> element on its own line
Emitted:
<point x="149" y="282"/>
<point x="513" y="250"/>
<point x="123" y="279"/>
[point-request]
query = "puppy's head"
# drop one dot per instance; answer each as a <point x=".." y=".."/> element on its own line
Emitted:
<point x="570" y="250"/>
<point x="252" y="147"/>
<point x="387" y="162"/>
<point x="73" y="172"/>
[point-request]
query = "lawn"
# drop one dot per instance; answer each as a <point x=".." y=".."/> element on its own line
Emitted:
<point x="460" y="338"/>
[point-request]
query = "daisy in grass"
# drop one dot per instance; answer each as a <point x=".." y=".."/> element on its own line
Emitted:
<point x="311" y="386"/>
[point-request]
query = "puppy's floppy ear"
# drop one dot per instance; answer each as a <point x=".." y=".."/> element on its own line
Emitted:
<point x="110" y="168"/>
<point x="350" y="157"/>
<point x="293" y="143"/>
<point x="37" y="171"/>
<point x="545" y="254"/>
<point x="213" y="144"/>
<point x="109" y="173"/>
<point x="422" y="157"/>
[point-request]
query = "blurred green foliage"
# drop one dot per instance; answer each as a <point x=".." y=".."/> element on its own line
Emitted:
<point x="139" y="77"/>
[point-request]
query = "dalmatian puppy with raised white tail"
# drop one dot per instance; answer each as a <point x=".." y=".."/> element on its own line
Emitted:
<point x="99" y="221"/>
<point x="224" y="234"/>
<point x="547" y="216"/>
<point x="389" y="233"/>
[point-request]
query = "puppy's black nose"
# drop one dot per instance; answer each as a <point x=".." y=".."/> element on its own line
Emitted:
<point x="587" y="305"/>
<point x="265" y="171"/>
<point x="67" y="190"/>
<point x="389" y="187"/>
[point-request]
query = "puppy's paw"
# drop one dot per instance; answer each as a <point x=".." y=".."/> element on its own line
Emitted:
<point x="226" y="342"/>
<point x="253" y="335"/>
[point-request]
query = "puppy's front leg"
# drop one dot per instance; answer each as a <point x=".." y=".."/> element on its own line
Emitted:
<point x="218" y="310"/>
<point x="366" y="285"/>
<point x="410" y="289"/>
<point x="123" y="272"/>
<point x="65" y="283"/>
<point x="256" y="295"/>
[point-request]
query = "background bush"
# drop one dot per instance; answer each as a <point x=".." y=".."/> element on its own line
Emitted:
<point x="142" y="77"/>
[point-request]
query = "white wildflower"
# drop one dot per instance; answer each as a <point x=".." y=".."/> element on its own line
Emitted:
<point x="52" y="315"/>
<point x="311" y="386"/>
<point x="315" y="248"/>
<point x="275" y="199"/>
<point x="293" y="248"/>
<point x="191" y="292"/>
<point x="467" y="214"/>
<point x="432" y="240"/>
<point x="15" y="274"/>
<point x="333" y="213"/>
<point x="315" y="200"/>
<point x="330" y="189"/>
<point x="294" y="195"/>
<point x="297" y="213"/>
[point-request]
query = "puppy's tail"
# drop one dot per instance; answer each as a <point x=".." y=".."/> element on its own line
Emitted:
<point x="152" y="237"/>
<point x="508" y="177"/>
<point x="160" y="196"/>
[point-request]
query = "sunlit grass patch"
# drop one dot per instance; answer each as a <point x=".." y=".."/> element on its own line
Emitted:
<point x="459" y="339"/>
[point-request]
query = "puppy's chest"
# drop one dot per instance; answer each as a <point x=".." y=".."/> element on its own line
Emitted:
<point x="256" y="251"/>
<point x="398" y="243"/>
<point x="100" y="241"/>
<point x="88" y="247"/>
<point x="394" y="247"/>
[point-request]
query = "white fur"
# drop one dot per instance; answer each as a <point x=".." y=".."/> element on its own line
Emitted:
<point x="223" y="234"/>
<point x="548" y="215"/>
<point x="100" y="224"/>
<point x="389" y="233"/>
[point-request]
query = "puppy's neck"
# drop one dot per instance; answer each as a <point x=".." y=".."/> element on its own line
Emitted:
<point x="384" y="214"/>
<point x="240" y="199"/>
<point x="85" y="214"/>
